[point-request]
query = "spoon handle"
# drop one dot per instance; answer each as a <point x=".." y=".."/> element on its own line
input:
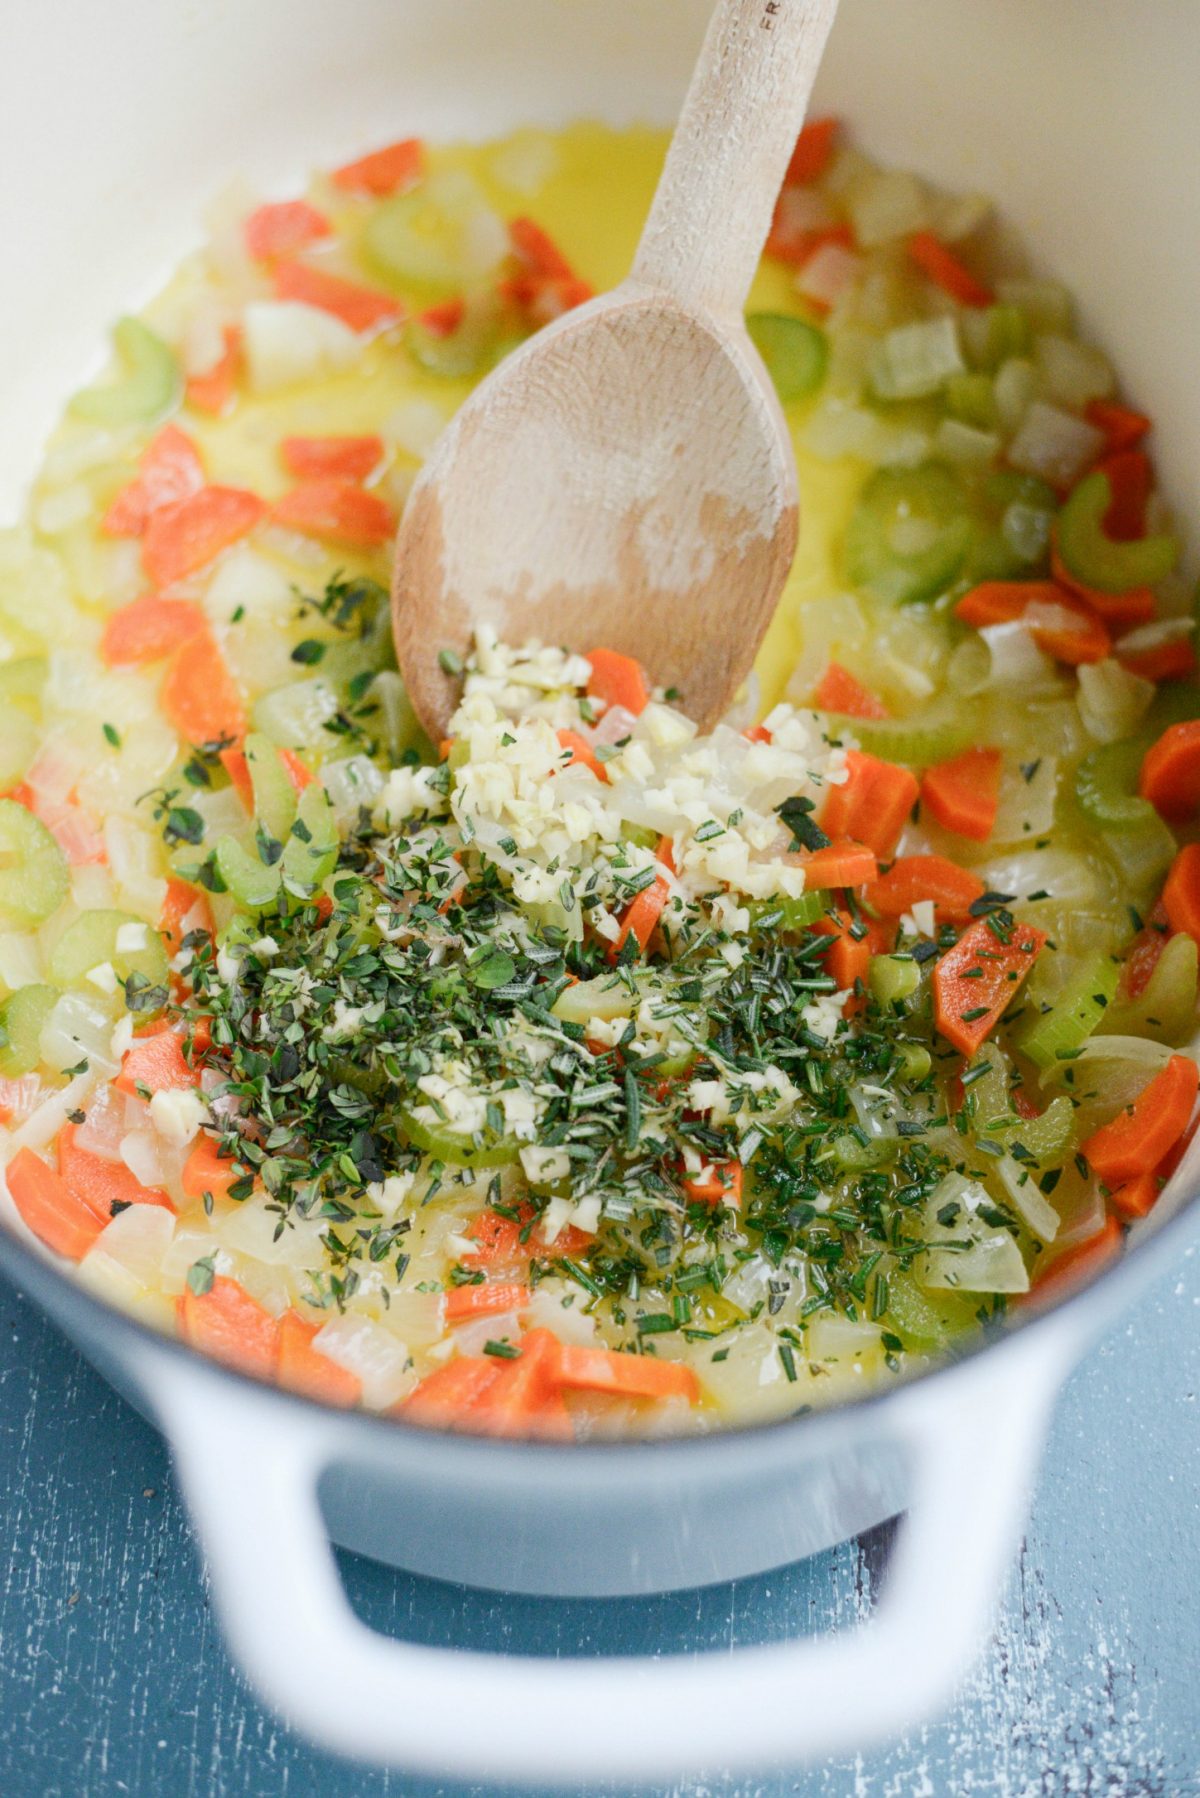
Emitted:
<point x="746" y="103"/>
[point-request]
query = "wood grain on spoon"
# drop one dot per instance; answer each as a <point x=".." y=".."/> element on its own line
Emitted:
<point x="626" y="477"/>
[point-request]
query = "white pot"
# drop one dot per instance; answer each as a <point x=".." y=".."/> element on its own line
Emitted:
<point x="119" y="122"/>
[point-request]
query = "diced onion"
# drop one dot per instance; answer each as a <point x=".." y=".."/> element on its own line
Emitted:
<point x="286" y="341"/>
<point x="887" y="204"/>
<point x="380" y="1359"/>
<point x="829" y="274"/>
<point x="1112" y="701"/>
<point x="916" y="360"/>
<point x="1054" y="445"/>
<point x="1026" y="1195"/>
<point x="1073" y="374"/>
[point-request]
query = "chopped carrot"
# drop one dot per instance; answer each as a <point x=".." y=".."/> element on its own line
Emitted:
<point x="849" y="954"/>
<point x="1145" y="952"/>
<point x="50" y="1209"/>
<point x="281" y="227"/>
<point x="104" y="1186"/>
<point x="976" y="980"/>
<point x="238" y="769"/>
<point x="872" y="804"/>
<point x="963" y="794"/>
<point x="813" y="152"/>
<point x="337" y="512"/>
<point x="1071" y="633"/>
<point x="390" y="170"/>
<point x="1080" y="1261"/>
<point x="1131" y="479"/>
<point x="617" y="680"/>
<point x="1170" y="777"/>
<point x="844" y="863"/>
<point x="169" y="469"/>
<point x="1137" y="1139"/>
<point x="149" y="629"/>
<point x="720" y="1185"/>
<point x="1123" y="428"/>
<point x="487" y="1300"/>
<point x="1136" y="1198"/>
<point x="796" y="243"/>
<point x="228" y="1324"/>
<point x="443" y="319"/>
<point x="155" y="1063"/>
<point x="537" y="250"/>
<point x="351" y="458"/>
<point x="362" y="308"/>
<point x="944" y="269"/>
<point x="839" y="691"/>
<point x="184" y="537"/>
<point x="302" y="1368"/>
<point x="1120" y="611"/>
<point x="1181" y="896"/>
<point x="581" y="751"/>
<point x="646" y="908"/>
<point x="913" y="878"/>
<point x="208" y="1170"/>
<point x="757" y="733"/>
<point x="527" y="1399"/>
<point x="634" y="1376"/>
<point x="547" y="286"/>
<point x="199" y="695"/>
<point x="212" y="390"/>
<point x="445" y="1398"/>
<point x="508" y="1243"/>
<point x="185" y="908"/>
<point x="1173" y="660"/>
<point x="296" y="769"/>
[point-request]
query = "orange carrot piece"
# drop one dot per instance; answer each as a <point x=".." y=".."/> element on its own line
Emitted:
<point x="721" y="1185"/>
<point x="228" y="1324"/>
<point x="156" y="1063"/>
<point x="953" y="890"/>
<point x="296" y="769"/>
<point x="1181" y="903"/>
<point x="103" y="1186"/>
<point x="527" y="1398"/>
<point x="499" y="1245"/>
<point x="538" y="251"/>
<point x="1170" y="777"/>
<point x="813" y="152"/>
<point x="1123" y="428"/>
<point x="757" y="733"/>
<point x="212" y="390"/>
<point x="1079" y="1262"/>
<point x="976" y="980"/>
<point x="1136" y="1198"/>
<point x="634" y="1376"/>
<point x="872" y="804"/>
<point x="199" y="695"/>
<point x="184" y="537"/>
<point x="238" y="769"/>
<point x="185" y="908"/>
<point x="1131" y="479"/>
<point x="1120" y="611"/>
<point x="390" y="170"/>
<point x="149" y="629"/>
<point x="646" y="908"/>
<point x="208" y="1170"/>
<point x="581" y="751"/>
<point x="337" y="512"/>
<point x="350" y="458"/>
<point x="445" y="1398"/>
<point x="617" y="680"/>
<point x="463" y="1302"/>
<point x="839" y="691"/>
<point x="169" y="469"/>
<point x="1174" y="660"/>
<point x="302" y="1368"/>
<point x="796" y="243"/>
<point x="281" y="227"/>
<point x="1137" y="1139"/>
<point x="844" y="863"/>
<point x="443" y="319"/>
<point x="963" y="794"/>
<point x="1081" y="636"/>
<point x="944" y="269"/>
<point x="48" y="1206"/>
<point x="362" y="308"/>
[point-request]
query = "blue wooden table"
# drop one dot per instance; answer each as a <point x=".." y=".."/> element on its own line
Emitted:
<point x="114" y="1679"/>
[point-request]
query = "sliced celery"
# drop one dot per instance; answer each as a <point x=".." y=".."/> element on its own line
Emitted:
<point x="475" y="345"/>
<point x="1098" y="560"/>
<point x="33" y="869"/>
<point x="607" y="996"/>
<point x="91" y="941"/>
<point x="971" y="399"/>
<point x="1106" y="786"/>
<point x="295" y="715"/>
<point x="938" y="732"/>
<point x="1142" y="852"/>
<point x="1074" y="1014"/>
<point x="408" y="238"/>
<point x="909" y="534"/>
<point x="855" y="1157"/>
<point x="925" y="1321"/>
<point x="788" y="914"/>
<point x="150" y="385"/>
<point x="21" y="1020"/>
<point x="796" y="353"/>
<point x="396" y="722"/>
<point x="459" y="1151"/>
<point x="991" y="334"/>
<point x="914" y="1061"/>
<point x="274" y="794"/>
<point x="1046" y="1138"/>
<point x="1016" y="514"/>
<point x="1165" y="1009"/>
<point x="311" y="850"/>
<point x="893" y="978"/>
<point x="251" y="884"/>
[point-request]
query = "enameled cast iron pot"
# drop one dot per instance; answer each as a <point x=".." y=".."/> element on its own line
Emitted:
<point x="119" y="121"/>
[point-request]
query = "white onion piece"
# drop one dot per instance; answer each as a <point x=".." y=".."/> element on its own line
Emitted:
<point x="140" y="1154"/>
<point x="355" y="782"/>
<point x="20" y="959"/>
<point x="991" y="1261"/>
<point x="1073" y="374"/>
<point x="135" y="1241"/>
<point x="414" y="427"/>
<point x="381" y="1361"/>
<point x="916" y="360"/>
<point x="886" y="204"/>
<point x="1112" y="701"/>
<point x="828" y="274"/>
<point x="964" y="444"/>
<point x="1014" y="389"/>
<point x="1069" y="880"/>
<point x="1046" y="304"/>
<point x="829" y="1336"/>
<point x="286" y="342"/>
<point x="1054" y="445"/>
<point x="43" y="1125"/>
<point x="1153" y="636"/>
<point x="20" y="1098"/>
<point x="250" y="1229"/>
<point x="1026" y="807"/>
<point x="1028" y="1199"/>
<point x="76" y="1030"/>
<point x="104" y="1125"/>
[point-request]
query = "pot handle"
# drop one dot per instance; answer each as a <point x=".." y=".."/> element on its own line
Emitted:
<point x="250" y="1466"/>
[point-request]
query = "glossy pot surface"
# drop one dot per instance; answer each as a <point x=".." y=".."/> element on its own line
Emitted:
<point x="1079" y="114"/>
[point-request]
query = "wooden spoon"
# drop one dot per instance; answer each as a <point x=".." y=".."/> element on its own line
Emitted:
<point x="625" y="478"/>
